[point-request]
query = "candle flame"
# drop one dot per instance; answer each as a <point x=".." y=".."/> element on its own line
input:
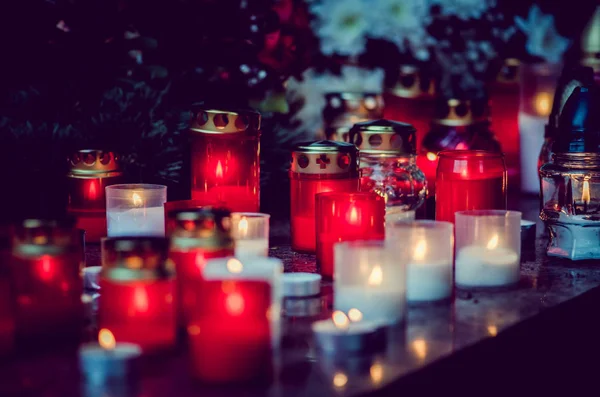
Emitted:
<point x="340" y="320"/>
<point x="106" y="339"/>
<point x="376" y="276"/>
<point x="234" y="304"/>
<point x="420" y="249"/>
<point x="492" y="330"/>
<point x="353" y="215"/>
<point x="340" y="379"/>
<point x="431" y="156"/>
<point x="140" y="299"/>
<point x="585" y="195"/>
<point x="376" y="372"/>
<point x="219" y="171"/>
<point x="234" y="266"/>
<point x="355" y="315"/>
<point x="243" y="227"/>
<point x="92" y="190"/>
<point x="137" y="200"/>
<point x="420" y="348"/>
<point x="493" y="243"/>
<point x="543" y="103"/>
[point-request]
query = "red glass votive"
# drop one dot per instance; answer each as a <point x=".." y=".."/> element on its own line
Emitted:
<point x="346" y="217"/>
<point x="137" y="281"/>
<point x="229" y="334"/>
<point x="317" y="167"/>
<point x="469" y="180"/>
<point x="199" y="235"/>
<point x="171" y="207"/>
<point x="91" y="171"/>
<point x="225" y="149"/>
<point x="44" y="273"/>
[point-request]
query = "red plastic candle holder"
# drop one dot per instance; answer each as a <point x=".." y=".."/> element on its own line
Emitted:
<point x="44" y="272"/>
<point x="137" y="281"/>
<point x="469" y="180"/>
<point x="198" y="235"/>
<point x="91" y="171"/>
<point x="229" y="334"/>
<point x="346" y="217"/>
<point x="225" y="149"/>
<point x="318" y="167"/>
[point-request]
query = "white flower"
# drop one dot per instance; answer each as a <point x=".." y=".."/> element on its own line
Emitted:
<point x="464" y="9"/>
<point x="542" y="38"/>
<point x="341" y="26"/>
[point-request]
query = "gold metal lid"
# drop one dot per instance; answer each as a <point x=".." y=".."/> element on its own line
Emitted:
<point x="137" y="258"/>
<point x="412" y="84"/>
<point x="206" y="227"/>
<point x="456" y="112"/>
<point x="590" y="42"/>
<point x="92" y="163"/>
<point x="509" y="72"/>
<point x="214" y="121"/>
<point x="325" y="158"/>
<point x="338" y="134"/>
<point x="34" y="237"/>
<point x="344" y="109"/>
<point x="384" y="136"/>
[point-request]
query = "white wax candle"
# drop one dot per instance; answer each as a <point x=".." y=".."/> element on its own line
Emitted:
<point x="478" y="266"/>
<point x="149" y="221"/>
<point x="429" y="280"/>
<point x="378" y="305"/>
<point x="254" y="247"/>
<point x="353" y="337"/>
<point x="531" y="131"/>
<point x="100" y="365"/>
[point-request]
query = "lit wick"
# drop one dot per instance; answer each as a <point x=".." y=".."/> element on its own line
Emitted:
<point x="585" y="195"/>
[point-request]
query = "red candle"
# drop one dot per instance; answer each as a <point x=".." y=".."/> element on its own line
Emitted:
<point x="317" y="167"/>
<point x="469" y="180"/>
<point x="229" y="334"/>
<point x="137" y="303"/>
<point x="346" y="217"/>
<point x="225" y="158"/>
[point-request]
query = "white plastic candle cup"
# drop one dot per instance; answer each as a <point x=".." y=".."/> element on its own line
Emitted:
<point x="429" y="269"/>
<point x="488" y="248"/>
<point x="253" y="268"/>
<point x="135" y="210"/>
<point x="250" y="230"/>
<point x="370" y="277"/>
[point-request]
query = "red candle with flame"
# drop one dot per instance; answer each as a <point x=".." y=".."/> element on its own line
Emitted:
<point x="346" y="217"/>
<point x="229" y="334"/>
<point x="469" y="180"/>
<point x="317" y="167"/>
<point x="138" y="292"/>
<point x="225" y="158"/>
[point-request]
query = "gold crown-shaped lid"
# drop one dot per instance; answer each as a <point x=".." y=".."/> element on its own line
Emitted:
<point x="215" y="121"/>
<point x="34" y="237"/>
<point x="325" y="158"/>
<point x="383" y="136"/>
<point x="412" y="84"/>
<point x="136" y="258"/>
<point x="344" y="109"/>
<point x="93" y="163"/>
<point x="590" y="42"/>
<point x="458" y="112"/>
<point x="205" y="227"/>
<point x="509" y="72"/>
<point x="338" y="134"/>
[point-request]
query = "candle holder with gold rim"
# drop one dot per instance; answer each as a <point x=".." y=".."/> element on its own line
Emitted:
<point x="344" y="109"/>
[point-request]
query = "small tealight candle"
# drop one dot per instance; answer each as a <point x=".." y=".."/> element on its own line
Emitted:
<point x="430" y="246"/>
<point x="341" y="335"/>
<point x="250" y="230"/>
<point x="488" y="246"/>
<point x="135" y="210"/>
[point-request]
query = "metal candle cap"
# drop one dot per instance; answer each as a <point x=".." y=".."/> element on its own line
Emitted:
<point x="343" y="107"/>
<point x="45" y="237"/>
<point x="509" y="72"/>
<point x="412" y="83"/>
<point x="457" y="112"/>
<point x="206" y="227"/>
<point x="383" y="136"/>
<point x="137" y="258"/>
<point x="214" y="121"/>
<point x="92" y="163"/>
<point x="298" y="285"/>
<point x="325" y="158"/>
<point x="579" y="123"/>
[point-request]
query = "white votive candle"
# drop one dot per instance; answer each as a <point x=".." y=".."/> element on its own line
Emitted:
<point x="250" y="231"/>
<point x="482" y="267"/>
<point x="135" y="210"/>
<point x="340" y="335"/>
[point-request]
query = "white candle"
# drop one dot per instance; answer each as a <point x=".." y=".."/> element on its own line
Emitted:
<point x="340" y="335"/>
<point x="251" y="247"/>
<point x="531" y="131"/>
<point x="149" y="221"/>
<point x="250" y="230"/>
<point x="378" y="306"/>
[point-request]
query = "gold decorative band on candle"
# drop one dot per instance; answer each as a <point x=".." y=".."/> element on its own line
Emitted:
<point x="205" y="227"/>
<point x="343" y="109"/>
<point x="456" y="112"/>
<point x="383" y="136"/>
<point x="334" y="159"/>
<point x="136" y="258"/>
<point x="214" y="121"/>
<point x="172" y="207"/>
<point x="412" y="83"/>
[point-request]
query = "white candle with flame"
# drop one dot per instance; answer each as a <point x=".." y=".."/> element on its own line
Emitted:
<point x="251" y="234"/>
<point x="345" y="332"/>
<point x="428" y="279"/>
<point x="135" y="210"/>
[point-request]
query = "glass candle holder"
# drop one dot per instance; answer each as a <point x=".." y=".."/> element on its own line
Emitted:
<point x="225" y="149"/>
<point x="90" y="172"/>
<point x="136" y="210"/>
<point x="370" y="281"/>
<point x="198" y="235"/>
<point x="172" y="207"/>
<point x="137" y="303"/>
<point x="250" y="231"/>
<point x="469" y="180"/>
<point x="317" y="167"/>
<point x="430" y="257"/>
<point x="346" y="217"/>
<point x="44" y="271"/>
<point x="488" y="248"/>
<point x="344" y="109"/>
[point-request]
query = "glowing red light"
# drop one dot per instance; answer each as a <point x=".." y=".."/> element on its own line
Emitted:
<point x="219" y="171"/>
<point x="234" y="304"/>
<point x="46" y="269"/>
<point x="93" y="190"/>
<point x="140" y="299"/>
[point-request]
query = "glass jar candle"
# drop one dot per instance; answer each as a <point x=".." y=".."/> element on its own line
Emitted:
<point x="136" y="210"/>
<point x="346" y="217"/>
<point x="469" y="180"/>
<point x="137" y="281"/>
<point x="388" y="164"/>
<point x="44" y="272"/>
<point x="198" y="235"/>
<point x="344" y="109"/>
<point x="225" y="147"/>
<point x="317" y="167"/>
<point x="90" y="172"/>
<point x="488" y="248"/>
<point x="250" y="231"/>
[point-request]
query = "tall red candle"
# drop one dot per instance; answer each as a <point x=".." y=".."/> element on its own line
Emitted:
<point x="198" y="235"/>
<point x="225" y="149"/>
<point x="346" y="217"/>
<point x="317" y="167"/>
<point x="469" y="180"/>
<point x="137" y="303"/>
<point x="229" y="334"/>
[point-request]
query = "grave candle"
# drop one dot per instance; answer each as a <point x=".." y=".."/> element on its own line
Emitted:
<point x="341" y="336"/>
<point x="250" y="231"/>
<point x="135" y="210"/>
<point x="172" y="207"/>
